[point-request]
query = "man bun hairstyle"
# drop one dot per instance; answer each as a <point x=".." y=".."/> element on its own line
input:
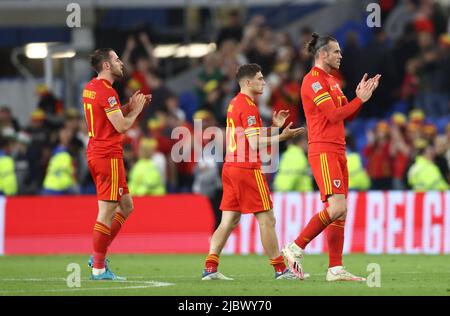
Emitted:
<point x="317" y="42"/>
<point x="98" y="57"/>
<point x="247" y="71"/>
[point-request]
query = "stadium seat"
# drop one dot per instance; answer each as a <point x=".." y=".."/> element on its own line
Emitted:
<point x="188" y="103"/>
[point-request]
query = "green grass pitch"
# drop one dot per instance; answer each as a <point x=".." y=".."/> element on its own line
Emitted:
<point x="179" y="275"/>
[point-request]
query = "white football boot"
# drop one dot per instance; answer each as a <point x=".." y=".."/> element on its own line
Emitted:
<point x="294" y="257"/>
<point x="207" y="276"/>
<point x="338" y="273"/>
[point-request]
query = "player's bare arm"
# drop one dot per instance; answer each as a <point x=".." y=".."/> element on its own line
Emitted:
<point x="366" y="87"/>
<point x="364" y="92"/>
<point x="126" y="108"/>
<point x="279" y="118"/>
<point x="123" y="123"/>
<point x="256" y="142"/>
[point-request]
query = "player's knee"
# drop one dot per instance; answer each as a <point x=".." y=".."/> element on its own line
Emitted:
<point x="129" y="209"/>
<point x="234" y="223"/>
<point x="268" y="221"/>
<point x="229" y="224"/>
<point x="337" y="211"/>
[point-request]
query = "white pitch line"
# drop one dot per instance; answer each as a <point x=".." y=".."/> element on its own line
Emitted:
<point x="146" y="284"/>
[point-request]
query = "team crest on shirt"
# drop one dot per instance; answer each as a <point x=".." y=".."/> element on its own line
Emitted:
<point x="316" y="86"/>
<point x="336" y="87"/>
<point x="337" y="183"/>
<point x="112" y="101"/>
<point x="251" y="120"/>
<point x="120" y="191"/>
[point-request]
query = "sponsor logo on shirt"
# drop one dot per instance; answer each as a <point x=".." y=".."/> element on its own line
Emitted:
<point x="112" y="101"/>
<point x="251" y="120"/>
<point x="316" y="86"/>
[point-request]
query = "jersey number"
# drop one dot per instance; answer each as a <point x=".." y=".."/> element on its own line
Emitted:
<point x="89" y="118"/>
<point x="230" y="131"/>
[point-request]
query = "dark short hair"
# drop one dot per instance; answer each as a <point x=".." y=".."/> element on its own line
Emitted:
<point x="98" y="57"/>
<point x="317" y="42"/>
<point x="5" y="108"/>
<point x="247" y="71"/>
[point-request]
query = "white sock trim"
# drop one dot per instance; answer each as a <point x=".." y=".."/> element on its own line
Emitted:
<point x="335" y="269"/>
<point x="98" y="271"/>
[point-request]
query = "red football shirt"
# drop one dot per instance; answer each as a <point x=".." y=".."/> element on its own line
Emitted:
<point x="321" y="95"/>
<point x="243" y="120"/>
<point x="99" y="100"/>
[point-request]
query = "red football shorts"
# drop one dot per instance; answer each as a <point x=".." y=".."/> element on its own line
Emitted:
<point x="245" y="190"/>
<point x="109" y="178"/>
<point x="330" y="172"/>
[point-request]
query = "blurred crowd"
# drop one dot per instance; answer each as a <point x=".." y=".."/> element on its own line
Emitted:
<point x="400" y="148"/>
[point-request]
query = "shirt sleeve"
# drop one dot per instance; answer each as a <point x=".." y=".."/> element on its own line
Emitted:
<point x="251" y="121"/>
<point x="318" y="91"/>
<point x="109" y="101"/>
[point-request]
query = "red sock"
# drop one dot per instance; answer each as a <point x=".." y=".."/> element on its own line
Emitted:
<point x="101" y="237"/>
<point x="315" y="226"/>
<point x="278" y="264"/>
<point x="211" y="263"/>
<point x="116" y="225"/>
<point x="335" y="237"/>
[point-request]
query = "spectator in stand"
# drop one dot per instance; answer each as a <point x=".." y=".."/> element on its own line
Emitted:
<point x="441" y="78"/>
<point x="138" y="62"/>
<point x="400" y="151"/>
<point x="251" y="31"/>
<point x="7" y="120"/>
<point x="8" y="180"/>
<point x="285" y="48"/>
<point x="447" y="139"/>
<point x="39" y="149"/>
<point x="230" y="59"/>
<point x="209" y="78"/>
<point x="424" y="175"/>
<point x="141" y="66"/>
<point x="417" y="116"/>
<point x="304" y="58"/>
<point x="430" y="99"/>
<point x="400" y="17"/>
<point x="294" y="173"/>
<point x="214" y="103"/>
<point x="263" y="49"/>
<point x="160" y="93"/>
<point x="157" y="129"/>
<point x="377" y="152"/>
<point x="22" y="163"/>
<point x="76" y="146"/>
<point x="358" y="179"/>
<point x="287" y="95"/>
<point x="173" y="107"/>
<point x="377" y="57"/>
<point x="410" y="84"/>
<point x="429" y="132"/>
<point x="60" y="175"/>
<point x="232" y="30"/>
<point x="52" y="107"/>
<point x="441" y="148"/>
<point x="145" y="176"/>
<point x="207" y="169"/>
<point x="351" y="70"/>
